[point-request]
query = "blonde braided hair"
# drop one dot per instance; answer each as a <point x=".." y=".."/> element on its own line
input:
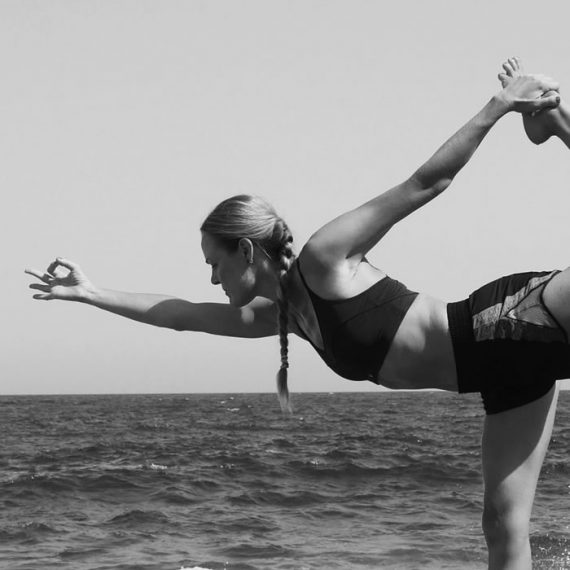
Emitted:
<point x="286" y="258"/>
<point x="251" y="217"/>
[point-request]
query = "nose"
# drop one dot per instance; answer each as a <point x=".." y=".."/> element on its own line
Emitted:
<point x="214" y="279"/>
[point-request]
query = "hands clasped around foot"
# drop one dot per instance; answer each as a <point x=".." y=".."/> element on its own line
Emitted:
<point x="544" y="118"/>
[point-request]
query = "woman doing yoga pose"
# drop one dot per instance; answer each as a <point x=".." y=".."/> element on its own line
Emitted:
<point x="508" y="340"/>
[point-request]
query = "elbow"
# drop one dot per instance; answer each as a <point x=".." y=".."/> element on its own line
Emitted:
<point x="430" y="187"/>
<point x="441" y="185"/>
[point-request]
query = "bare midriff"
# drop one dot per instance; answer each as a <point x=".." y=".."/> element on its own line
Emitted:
<point x="421" y="354"/>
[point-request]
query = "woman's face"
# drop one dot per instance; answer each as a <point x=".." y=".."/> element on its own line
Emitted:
<point x="230" y="269"/>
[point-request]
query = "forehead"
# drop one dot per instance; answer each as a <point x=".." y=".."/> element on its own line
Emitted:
<point x="210" y="246"/>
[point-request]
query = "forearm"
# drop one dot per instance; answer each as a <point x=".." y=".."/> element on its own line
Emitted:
<point x="438" y="172"/>
<point x="152" y="309"/>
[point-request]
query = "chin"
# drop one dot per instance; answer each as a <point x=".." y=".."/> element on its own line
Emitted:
<point x="240" y="300"/>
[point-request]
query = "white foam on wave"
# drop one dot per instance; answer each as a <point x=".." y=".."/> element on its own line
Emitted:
<point x="193" y="568"/>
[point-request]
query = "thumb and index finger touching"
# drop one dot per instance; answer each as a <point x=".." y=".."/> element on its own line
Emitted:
<point x="64" y="263"/>
<point x="59" y="261"/>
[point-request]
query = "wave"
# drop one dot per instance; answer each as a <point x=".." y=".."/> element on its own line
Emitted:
<point x="396" y="468"/>
<point x="176" y="482"/>
<point x="27" y="531"/>
<point x="138" y="517"/>
<point x="293" y="498"/>
<point x="173" y="495"/>
<point x="253" y="549"/>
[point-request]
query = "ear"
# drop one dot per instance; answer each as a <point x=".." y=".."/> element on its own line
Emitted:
<point x="246" y="249"/>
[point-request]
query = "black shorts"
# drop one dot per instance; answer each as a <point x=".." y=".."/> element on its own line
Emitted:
<point x="507" y="344"/>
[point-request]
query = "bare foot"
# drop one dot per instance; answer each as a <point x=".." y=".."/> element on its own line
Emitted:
<point x="537" y="129"/>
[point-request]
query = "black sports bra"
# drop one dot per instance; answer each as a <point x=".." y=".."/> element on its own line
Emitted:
<point x="357" y="332"/>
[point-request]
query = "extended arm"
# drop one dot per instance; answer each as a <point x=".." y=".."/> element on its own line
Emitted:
<point x="349" y="237"/>
<point x="257" y="319"/>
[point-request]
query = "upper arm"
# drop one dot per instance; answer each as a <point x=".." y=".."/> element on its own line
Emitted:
<point x="353" y="234"/>
<point x="255" y="320"/>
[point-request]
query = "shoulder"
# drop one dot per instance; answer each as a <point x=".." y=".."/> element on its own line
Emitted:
<point x="321" y="272"/>
<point x="336" y="279"/>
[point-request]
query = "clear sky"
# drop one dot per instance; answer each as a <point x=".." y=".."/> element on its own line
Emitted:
<point x="125" y="122"/>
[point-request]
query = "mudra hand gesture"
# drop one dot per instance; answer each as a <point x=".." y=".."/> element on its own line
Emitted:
<point x="63" y="280"/>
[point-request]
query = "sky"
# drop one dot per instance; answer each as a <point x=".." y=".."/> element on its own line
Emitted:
<point x="125" y="122"/>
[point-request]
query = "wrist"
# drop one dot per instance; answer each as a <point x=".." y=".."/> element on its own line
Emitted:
<point x="501" y="104"/>
<point x="89" y="295"/>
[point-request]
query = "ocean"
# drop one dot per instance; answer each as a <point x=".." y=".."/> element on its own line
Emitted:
<point x="226" y="482"/>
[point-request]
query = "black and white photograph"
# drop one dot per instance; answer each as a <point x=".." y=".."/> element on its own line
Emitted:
<point x="286" y="285"/>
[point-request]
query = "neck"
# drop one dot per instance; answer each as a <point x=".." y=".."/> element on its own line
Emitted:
<point x="268" y="282"/>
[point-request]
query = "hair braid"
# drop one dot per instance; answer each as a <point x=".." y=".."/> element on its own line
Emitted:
<point x="246" y="216"/>
<point x="286" y="258"/>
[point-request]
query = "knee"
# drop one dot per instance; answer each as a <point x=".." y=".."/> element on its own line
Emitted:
<point x="505" y="529"/>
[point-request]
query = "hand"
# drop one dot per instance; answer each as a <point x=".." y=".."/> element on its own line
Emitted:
<point x="531" y="93"/>
<point x="57" y="283"/>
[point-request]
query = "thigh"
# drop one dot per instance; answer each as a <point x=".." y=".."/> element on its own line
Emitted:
<point x="556" y="297"/>
<point x="513" y="450"/>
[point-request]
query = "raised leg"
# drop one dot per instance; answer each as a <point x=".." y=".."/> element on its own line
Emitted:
<point x="550" y="122"/>
<point x="556" y="297"/>
<point x="514" y="446"/>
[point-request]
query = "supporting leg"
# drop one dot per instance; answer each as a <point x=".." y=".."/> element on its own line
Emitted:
<point x="514" y="445"/>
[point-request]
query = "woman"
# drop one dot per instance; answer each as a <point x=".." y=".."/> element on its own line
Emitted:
<point x="367" y="326"/>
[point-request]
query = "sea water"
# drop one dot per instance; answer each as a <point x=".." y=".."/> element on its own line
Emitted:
<point x="349" y="481"/>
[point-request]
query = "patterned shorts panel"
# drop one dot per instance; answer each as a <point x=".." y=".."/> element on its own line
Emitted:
<point x="515" y="350"/>
<point x="520" y="315"/>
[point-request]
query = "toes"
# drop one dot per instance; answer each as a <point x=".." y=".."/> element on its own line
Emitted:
<point x="547" y="83"/>
<point x="508" y="68"/>
<point x="504" y="79"/>
<point x="513" y="67"/>
<point x="517" y="64"/>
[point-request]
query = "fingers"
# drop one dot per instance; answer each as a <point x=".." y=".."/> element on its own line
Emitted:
<point x="546" y="102"/>
<point x="50" y="272"/>
<point x="45" y="277"/>
<point x="42" y="297"/>
<point x="45" y="294"/>
<point x="40" y="287"/>
<point x="65" y="263"/>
